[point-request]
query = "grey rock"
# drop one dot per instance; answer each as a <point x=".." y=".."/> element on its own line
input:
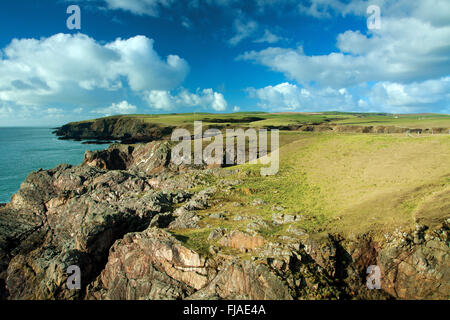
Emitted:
<point x="258" y="202"/>
<point x="217" y="215"/>
<point x="280" y="218"/>
<point x="296" y="230"/>
<point x="216" y="234"/>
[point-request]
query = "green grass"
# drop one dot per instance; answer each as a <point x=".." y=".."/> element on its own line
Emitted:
<point x="416" y="121"/>
<point x="263" y="119"/>
<point x="195" y="240"/>
<point x="348" y="183"/>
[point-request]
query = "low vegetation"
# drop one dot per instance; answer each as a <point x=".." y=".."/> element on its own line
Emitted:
<point x="262" y="119"/>
<point x="343" y="183"/>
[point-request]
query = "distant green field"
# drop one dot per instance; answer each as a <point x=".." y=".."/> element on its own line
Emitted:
<point x="253" y="119"/>
<point x="414" y="121"/>
<point x="349" y="183"/>
<point x="263" y="119"/>
<point x="345" y="183"/>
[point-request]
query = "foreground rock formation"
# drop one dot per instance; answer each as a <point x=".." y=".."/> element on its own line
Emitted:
<point x="114" y="216"/>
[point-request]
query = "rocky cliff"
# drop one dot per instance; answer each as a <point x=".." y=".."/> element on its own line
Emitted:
<point x="134" y="130"/>
<point x="127" y="130"/>
<point x="115" y="217"/>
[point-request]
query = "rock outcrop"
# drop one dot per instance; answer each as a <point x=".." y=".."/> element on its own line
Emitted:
<point x="150" y="265"/>
<point x="125" y="129"/>
<point x="116" y="216"/>
<point x="242" y="241"/>
<point x="130" y="130"/>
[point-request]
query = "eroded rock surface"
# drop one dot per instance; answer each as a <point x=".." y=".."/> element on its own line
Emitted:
<point x="150" y="265"/>
<point x="116" y="217"/>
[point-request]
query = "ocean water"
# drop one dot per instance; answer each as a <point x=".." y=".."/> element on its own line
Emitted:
<point x="24" y="150"/>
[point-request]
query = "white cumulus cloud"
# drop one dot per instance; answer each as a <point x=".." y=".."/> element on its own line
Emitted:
<point x="392" y="97"/>
<point x="268" y="37"/>
<point x="75" y="68"/>
<point x="402" y="67"/>
<point x="290" y="97"/>
<point x="429" y="95"/>
<point x="413" y="44"/>
<point x="117" y="108"/>
<point x="403" y="50"/>
<point x="206" y="99"/>
<point x="243" y="28"/>
<point x="140" y="7"/>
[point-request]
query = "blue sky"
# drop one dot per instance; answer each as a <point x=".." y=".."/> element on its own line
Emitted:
<point x="158" y="56"/>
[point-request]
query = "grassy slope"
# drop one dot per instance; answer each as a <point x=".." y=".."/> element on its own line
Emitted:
<point x="258" y="119"/>
<point x="346" y="183"/>
<point x="406" y="121"/>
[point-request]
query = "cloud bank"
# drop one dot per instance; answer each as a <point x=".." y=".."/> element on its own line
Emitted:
<point x="63" y="68"/>
<point x="117" y="108"/>
<point x="404" y="66"/>
<point x="206" y="99"/>
<point x="391" y="97"/>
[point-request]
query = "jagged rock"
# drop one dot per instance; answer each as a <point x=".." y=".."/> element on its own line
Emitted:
<point x="185" y="216"/>
<point x="242" y="241"/>
<point x="200" y="200"/>
<point x="150" y="265"/>
<point x="97" y="216"/>
<point x="116" y="157"/>
<point x="149" y="158"/>
<point x="244" y="280"/>
<point x="296" y="230"/>
<point x="180" y="197"/>
<point x="417" y="270"/>
<point x="162" y="220"/>
<point x="280" y="218"/>
<point x="216" y="234"/>
<point x="129" y="130"/>
<point x="17" y="233"/>
<point x="258" y="202"/>
<point x="230" y="183"/>
<point x="42" y="274"/>
<point x="76" y="214"/>
<point x="217" y="215"/>
<point x="186" y="220"/>
<point x="280" y="253"/>
<point x="257" y="224"/>
<point x="323" y="253"/>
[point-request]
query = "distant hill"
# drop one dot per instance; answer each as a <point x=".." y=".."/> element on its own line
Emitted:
<point x="145" y="128"/>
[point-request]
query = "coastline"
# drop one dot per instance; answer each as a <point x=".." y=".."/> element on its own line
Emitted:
<point x="135" y="130"/>
<point x="141" y="227"/>
<point x="27" y="149"/>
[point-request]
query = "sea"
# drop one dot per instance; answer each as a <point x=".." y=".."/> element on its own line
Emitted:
<point x="23" y="150"/>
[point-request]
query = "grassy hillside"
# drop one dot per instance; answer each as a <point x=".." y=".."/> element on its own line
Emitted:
<point x="349" y="183"/>
<point x="261" y="119"/>
<point x="344" y="183"/>
<point x="419" y="121"/>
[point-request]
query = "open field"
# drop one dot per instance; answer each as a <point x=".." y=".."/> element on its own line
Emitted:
<point x="344" y="183"/>
<point x="345" y="198"/>
<point x="261" y="119"/>
<point x="419" y="121"/>
<point x="347" y="183"/>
